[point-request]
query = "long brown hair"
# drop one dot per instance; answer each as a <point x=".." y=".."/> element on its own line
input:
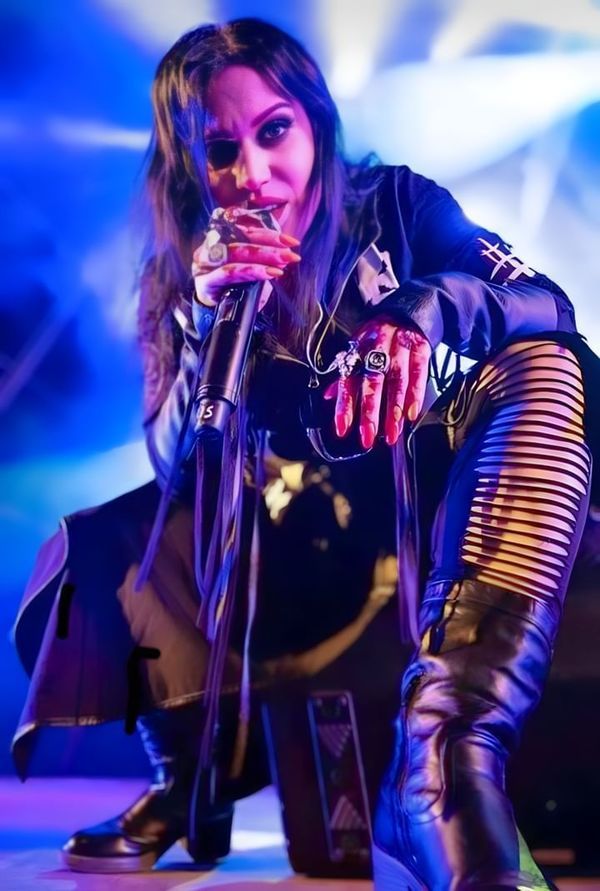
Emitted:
<point x="177" y="187"/>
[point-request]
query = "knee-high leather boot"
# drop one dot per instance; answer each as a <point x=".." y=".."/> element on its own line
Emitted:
<point x="443" y="821"/>
<point x="135" y="839"/>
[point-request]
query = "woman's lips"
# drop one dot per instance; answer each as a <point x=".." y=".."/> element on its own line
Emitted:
<point x="270" y="204"/>
<point x="279" y="209"/>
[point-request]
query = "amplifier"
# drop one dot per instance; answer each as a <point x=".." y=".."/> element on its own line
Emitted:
<point x="327" y="775"/>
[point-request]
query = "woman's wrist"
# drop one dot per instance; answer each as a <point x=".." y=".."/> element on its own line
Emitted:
<point x="202" y="317"/>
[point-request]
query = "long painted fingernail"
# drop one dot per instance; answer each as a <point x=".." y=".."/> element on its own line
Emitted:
<point x="272" y="270"/>
<point x="367" y="434"/>
<point x="341" y="425"/>
<point x="291" y="256"/>
<point x="413" y="411"/>
<point x="289" y="239"/>
<point x="391" y="432"/>
<point x="398" y="427"/>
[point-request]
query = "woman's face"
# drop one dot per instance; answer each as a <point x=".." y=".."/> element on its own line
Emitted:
<point x="260" y="148"/>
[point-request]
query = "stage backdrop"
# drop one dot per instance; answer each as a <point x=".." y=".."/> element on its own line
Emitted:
<point x="499" y="102"/>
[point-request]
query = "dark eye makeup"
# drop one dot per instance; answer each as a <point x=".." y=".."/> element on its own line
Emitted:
<point x="274" y="130"/>
<point x="221" y="153"/>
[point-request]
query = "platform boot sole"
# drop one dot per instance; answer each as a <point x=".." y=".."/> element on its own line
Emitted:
<point x="213" y="843"/>
<point x="134" y="863"/>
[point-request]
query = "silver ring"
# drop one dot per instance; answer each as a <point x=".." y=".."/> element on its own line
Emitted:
<point x="214" y="250"/>
<point x="377" y="362"/>
<point x="347" y="360"/>
<point x="216" y="254"/>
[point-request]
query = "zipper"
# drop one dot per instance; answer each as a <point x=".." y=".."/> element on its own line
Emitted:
<point x="314" y="382"/>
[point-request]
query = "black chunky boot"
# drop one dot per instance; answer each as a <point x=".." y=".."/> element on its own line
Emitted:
<point x="443" y="821"/>
<point x="135" y="839"/>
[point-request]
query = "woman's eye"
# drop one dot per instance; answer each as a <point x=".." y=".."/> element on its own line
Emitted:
<point x="274" y="130"/>
<point x="221" y="153"/>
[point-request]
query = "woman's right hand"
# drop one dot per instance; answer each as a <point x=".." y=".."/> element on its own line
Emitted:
<point x="263" y="256"/>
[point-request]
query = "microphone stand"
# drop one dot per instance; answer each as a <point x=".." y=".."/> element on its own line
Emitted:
<point x="216" y="398"/>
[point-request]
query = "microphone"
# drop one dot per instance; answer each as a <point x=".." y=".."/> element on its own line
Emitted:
<point x="226" y="356"/>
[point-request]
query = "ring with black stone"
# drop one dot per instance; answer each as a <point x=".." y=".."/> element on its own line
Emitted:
<point x="376" y="362"/>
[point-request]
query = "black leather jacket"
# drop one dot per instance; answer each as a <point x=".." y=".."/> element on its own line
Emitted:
<point x="418" y="259"/>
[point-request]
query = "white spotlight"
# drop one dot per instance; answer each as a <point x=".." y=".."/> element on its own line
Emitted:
<point x="159" y="24"/>
<point x="471" y="22"/>
<point x="355" y="30"/>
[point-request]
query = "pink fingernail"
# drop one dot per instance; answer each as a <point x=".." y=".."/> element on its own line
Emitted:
<point x="413" y="411"/>
<point x="367" y="434"/>
<point x="391" y="433"/>
<point x="341" y="425"/>
<point x="289" y="239"/>
<point x="272" y="270"/>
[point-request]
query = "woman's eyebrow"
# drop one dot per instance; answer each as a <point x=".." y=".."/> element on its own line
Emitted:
<point x="226" y="134"/>
<point x="265" y="114"/>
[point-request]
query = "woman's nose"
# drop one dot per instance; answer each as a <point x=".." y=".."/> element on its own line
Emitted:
<point x="252" y="169"/>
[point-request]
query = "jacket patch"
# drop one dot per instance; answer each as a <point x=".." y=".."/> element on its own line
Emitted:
<point x="506" y="267"/>
<point x="376" y="278"/>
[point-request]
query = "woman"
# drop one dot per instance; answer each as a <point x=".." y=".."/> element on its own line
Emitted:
<point x="386" y="259"/>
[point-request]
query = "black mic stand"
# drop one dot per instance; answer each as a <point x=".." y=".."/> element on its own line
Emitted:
<point x="217" y="396"/>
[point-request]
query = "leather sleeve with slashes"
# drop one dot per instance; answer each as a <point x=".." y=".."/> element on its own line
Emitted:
<point x="467" y="287"/>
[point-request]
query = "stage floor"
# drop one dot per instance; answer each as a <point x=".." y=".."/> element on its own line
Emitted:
<point x="37" y="817"/>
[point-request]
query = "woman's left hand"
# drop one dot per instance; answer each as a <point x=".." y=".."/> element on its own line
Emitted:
<point x="401" y="389"/>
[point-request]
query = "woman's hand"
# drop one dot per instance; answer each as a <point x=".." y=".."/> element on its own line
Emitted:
<point x="257" y="254"/>
<point x="400" y="390"/>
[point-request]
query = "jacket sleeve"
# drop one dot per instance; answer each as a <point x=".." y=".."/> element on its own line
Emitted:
<point x="171" y="347"/>
<point x="467" y="288"/>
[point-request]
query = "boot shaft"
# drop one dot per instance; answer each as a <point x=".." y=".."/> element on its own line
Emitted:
<point x="480" y="669"/>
